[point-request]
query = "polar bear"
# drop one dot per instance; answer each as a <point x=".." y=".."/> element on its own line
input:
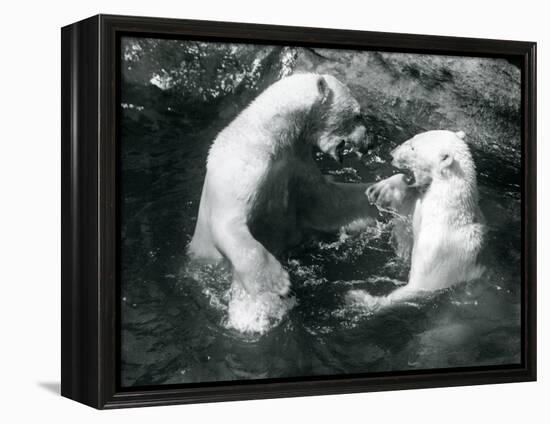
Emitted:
<point x="263" y="190"/>
<point x="437" y="223"/>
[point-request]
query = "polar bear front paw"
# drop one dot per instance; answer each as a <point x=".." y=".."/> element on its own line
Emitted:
<point x="389" y="192"/>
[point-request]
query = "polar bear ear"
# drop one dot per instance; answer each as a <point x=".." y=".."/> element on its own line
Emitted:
<point x="446" y="161"/>
<point x="323" y="89"/>
<point x="460" y="134"/>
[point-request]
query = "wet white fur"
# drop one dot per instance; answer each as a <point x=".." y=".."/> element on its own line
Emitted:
<point x="447" y="224"/>
<point x="238" y="160"/>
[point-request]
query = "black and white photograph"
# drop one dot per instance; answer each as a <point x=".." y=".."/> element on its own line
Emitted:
<point x="300" y="212"/>
<point x="281" y="212"/>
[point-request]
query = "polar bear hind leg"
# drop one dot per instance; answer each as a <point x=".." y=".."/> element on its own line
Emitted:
<point x="254" y="267"/>
<point x="202" y="248"/>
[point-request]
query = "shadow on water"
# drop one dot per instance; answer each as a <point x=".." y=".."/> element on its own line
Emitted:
<point x="174" y="326"/>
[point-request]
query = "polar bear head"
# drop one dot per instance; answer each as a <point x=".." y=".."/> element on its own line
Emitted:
<point x="435" y="155"/>
<point x="341" y="123"/>
<point x="308" y="108"/>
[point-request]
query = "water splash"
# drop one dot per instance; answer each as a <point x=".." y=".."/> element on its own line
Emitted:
<point x="256" y="314"/>
<point x="240" y="310"/>
<point x="355" y="239"/>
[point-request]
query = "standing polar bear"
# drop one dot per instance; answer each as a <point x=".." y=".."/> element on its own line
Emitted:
<point x="441" y="209"/>
<point x="263" y="191"/>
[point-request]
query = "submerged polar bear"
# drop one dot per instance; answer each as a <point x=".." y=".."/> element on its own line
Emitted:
<point x="438" y="223"/>
<point x="263" y="191"/>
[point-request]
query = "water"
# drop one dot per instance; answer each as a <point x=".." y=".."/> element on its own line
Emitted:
<point x="175" y="321"/>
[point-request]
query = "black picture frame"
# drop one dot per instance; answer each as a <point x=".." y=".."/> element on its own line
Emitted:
<point x="89" y="134"/>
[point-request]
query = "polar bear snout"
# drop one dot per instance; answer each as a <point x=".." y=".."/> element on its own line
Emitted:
<point x="365" y="145"/>
<point x="339" y="151"/>
<point x="399" y="159"/>
<point x="359" y="141"/>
